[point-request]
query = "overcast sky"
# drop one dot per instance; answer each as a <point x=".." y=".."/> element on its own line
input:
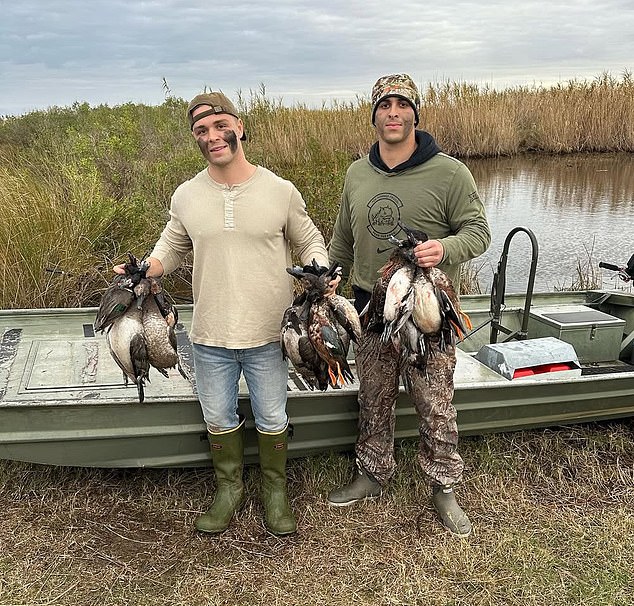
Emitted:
<point x="56" y="52"/>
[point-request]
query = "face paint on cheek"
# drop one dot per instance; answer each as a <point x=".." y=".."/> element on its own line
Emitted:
<point x="202" y="146"/>
<point x="231" y="139"/>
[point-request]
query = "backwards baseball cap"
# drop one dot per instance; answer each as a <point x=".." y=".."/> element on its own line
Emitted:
<point x="218" y="104"/>
<point x="396" y="85"/>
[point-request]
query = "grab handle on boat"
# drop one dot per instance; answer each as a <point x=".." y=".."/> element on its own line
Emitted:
<point x="498" y="289"/>
<point x="609" y="266"/>
<point x="625" y="273"/>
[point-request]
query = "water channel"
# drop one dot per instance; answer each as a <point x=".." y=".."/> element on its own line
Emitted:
<point x="580" y="208"/>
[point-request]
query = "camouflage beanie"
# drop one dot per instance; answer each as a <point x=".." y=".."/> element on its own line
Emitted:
<point x="396" y="85"/>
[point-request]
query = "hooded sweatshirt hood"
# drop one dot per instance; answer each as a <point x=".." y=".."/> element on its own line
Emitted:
<point x="426" y="149"/>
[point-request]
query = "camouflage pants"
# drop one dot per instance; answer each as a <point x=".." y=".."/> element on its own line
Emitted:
<point x="432" y="395"/>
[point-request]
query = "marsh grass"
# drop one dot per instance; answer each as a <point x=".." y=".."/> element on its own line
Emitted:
<point x="552" y="511"/>
<point x="81" y="185"/>
<point x="587" y="275"/>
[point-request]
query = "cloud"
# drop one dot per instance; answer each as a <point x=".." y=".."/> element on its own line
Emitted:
<point x="62" y="51"/>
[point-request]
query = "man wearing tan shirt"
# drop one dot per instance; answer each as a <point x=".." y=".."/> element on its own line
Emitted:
<point x="241" y="221"/>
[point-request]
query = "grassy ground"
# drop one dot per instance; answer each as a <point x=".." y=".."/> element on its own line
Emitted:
<point x="552" y="511"/>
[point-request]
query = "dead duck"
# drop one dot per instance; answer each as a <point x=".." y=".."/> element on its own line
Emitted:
<point x="128" y="347"/>
<point x="122" y="320"/>
<point x="159" y="319"/>
<point x="411" y="304"/>
<point x="346" y="316"/>
<point x="298" y="348"/>
<point x="330" y="323"/>
<point x="330" y="342"/>
<point x="139" y="325"/>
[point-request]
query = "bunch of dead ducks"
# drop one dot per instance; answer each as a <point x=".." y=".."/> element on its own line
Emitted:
<point x="412" y="305"/>
<point x="410" y="308"/>
<point x="317" y="329"/>
<point x="140" y="322"/>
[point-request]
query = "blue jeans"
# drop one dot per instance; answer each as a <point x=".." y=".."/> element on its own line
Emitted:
<point x="217" y="376"/>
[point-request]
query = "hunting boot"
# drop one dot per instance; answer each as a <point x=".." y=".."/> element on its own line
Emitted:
<point x="363" y="486"/>
<point x="227" y="451"/>
<point x="451" y="515"/>
<point x="277" y="510"/>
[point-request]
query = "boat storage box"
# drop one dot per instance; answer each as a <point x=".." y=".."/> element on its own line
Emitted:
<point x="542" y="359"/>
<point x="595" y="335"/>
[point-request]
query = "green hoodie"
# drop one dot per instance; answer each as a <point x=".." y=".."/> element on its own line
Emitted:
<point x="437" y="195"/>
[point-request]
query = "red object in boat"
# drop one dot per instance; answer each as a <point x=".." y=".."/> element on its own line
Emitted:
<point x="542" y="368"/>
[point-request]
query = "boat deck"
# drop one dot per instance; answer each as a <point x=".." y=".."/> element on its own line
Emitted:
<point x="57" y="358"/>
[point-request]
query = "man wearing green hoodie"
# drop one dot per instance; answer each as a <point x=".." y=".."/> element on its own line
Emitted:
<point x="406" y="178"/>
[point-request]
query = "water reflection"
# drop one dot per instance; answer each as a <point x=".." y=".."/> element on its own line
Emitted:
<point x="580" y="208"/>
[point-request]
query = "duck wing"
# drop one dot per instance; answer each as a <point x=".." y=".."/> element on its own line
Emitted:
<point x="413" y="348"/>
<point x="371" y="316"/>
<point x="167" y="309"/>
<point x="346" y="316"/>
<point x="114" y="302"/>
<point x="140" y="366"/>
<point x="454" y="319"/>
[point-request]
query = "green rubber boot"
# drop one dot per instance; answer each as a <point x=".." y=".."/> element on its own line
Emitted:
<point x="451" y="514"/>
<point x="363" y="486"/>
<point x="227" y="452"/>
<point x="278" y="515"/>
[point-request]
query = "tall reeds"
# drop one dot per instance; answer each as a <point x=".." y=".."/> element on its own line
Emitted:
<point x="79" y="186"/>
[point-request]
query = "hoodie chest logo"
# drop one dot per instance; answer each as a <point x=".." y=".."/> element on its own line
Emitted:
<point x="384" y="213"/>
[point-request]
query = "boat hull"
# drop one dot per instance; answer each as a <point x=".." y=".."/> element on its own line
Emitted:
<point x="63" y="400"/>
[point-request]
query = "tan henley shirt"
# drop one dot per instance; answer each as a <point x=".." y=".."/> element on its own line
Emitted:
<point x="242" y="237"/>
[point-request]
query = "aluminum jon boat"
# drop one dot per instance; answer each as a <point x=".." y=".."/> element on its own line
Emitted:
<point x="532" y="361"/>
